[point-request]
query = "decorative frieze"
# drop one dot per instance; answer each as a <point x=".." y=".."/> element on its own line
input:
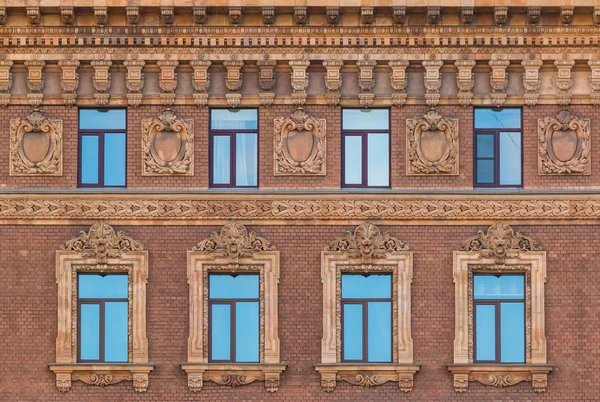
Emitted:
<point x="5" y="81"/>
<point x="500" y="15"/>
<point x="200" y="80"/>
<point x="465" y="81"/>
<point x="398" y="81"/>
<point x="467" y="15"/>
<point x="133" y="15"/>
<point x="299" y="145"/>
<point x="300" y="16"/>
<point x="333" y="80"/>
<point x="35" y="81"/>
<point x="34" y="16"/>
<point x="69" y="81"/>
<point x="299" y="80"/>
<point x="167" y="15"/>
<point x="366" y="81"/>
<point x="134" y="81"/>
<point x="167" y="81"/>
<point x="235" y="15"/>
<point x="434" y="15"/>
<point x="67" y="15"/>
<point x="595" y="81"/>
<point x="101" y="81"/>
<point x="564" y="145"/>
<point x="266" y="81"/>
<point x="564" y="80"/>
<point x="367" y="15"/>
<point x="433" y="81"/>
<point x="531" y="81"/>
<point x="101" y="16"/>
<point x="200" y="16"/>
<point x="498" y="80"/>
<point x="233" y="82"/>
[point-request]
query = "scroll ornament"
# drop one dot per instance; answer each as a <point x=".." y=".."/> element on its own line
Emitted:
<point x="500" y="242"/>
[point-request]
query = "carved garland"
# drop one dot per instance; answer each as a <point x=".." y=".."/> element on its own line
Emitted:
<point x="299" y="145"/>
<point x="36" y="145"/>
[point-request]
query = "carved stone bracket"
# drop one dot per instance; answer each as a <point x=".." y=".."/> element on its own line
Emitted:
<point x="367" y="15"/>
<point x="167" y="145"/>
<point x="101" y="16"/>
<point x="566" y="15"/>
<point x="69" y="81"/>
<point x="5" y="82"/>
<point x="366" y="81"/>
<point x="300" y="15"/>
<point x="596" y="15"/>
<point x="3" y="16"/>
<point x="34" y="15"/>
<point x="499" y="242"/>
<point x="467" y="15"/>
<point x="67" y="15"/>
<point x="233" y="375"/>
<point x="167" y="15"/>
<point x="101" y="375"/>
<point x="299" y="81"/>
<point x="433" y="81"/>
<point x="465" y="80"/>
<point x="134" y="81"/>
<point x="268" y="15"/>
<point x="595" y="81"/>
<point x="167" y="81"/>
<point x="133" y="15"/>
<point x="498" y="80"/>
<point x="233" y="82"/>
<point x="531" y="81"/>
<point x="101" y="81"/>
<point x="36" y="146"/>
<point x="500" y="15"/>
<point x="333" y="81"/>
<point x="299" y="145"/>
<point x="367" y="375"/>
<point x="399" y="15"/>
<point x="235" y="15"/>
<point x="35" y="81"/>
<point x="266" y="81"/>
<point x="201" y="81"/>
<point x="431" y="145"/>
<point x="501" y="375"/>
<point x="564" y="80"/>
<point x="332" y="14"/>
<point x="200" y="16"/>
<point x="434" y="15"/>
<point x="534" y="14"/>
<point x="398" y="81"/>
<point x="564" y="145"/>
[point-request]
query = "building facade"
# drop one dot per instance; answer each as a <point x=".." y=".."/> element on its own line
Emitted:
<point x="298" y="200"/>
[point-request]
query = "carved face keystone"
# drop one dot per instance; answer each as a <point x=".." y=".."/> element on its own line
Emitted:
<point x="564" y="144"/>
<point x="168" y="145"/>
<point x="300" y="145"/>
<point x="36" y="145"/>
<point x="433" y="144"/>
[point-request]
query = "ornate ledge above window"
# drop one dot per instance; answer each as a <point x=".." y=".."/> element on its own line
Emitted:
<point x="233" y="251"/>
<point x="101" y="374"/>
<point x="500" y="252"/>
<point x="367" y="251"/>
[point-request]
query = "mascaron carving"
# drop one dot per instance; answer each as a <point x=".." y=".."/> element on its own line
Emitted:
<point x="167" y="145"/>
<point x="36" y="145"/>
<point x="431" y="145"/>
<point x="564" y="144"/>
<point x="299" y="145"/>
<point x="500" y="242"/>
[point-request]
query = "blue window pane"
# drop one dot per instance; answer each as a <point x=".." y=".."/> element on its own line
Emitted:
<point x="90" y="332"/>
<point x="114" y="159"/>
<point x="378" y="160"/>
<point x="220" y="327"/>
<point x="485" y="171"/>
<point x="352" y="159"/>
<point x="380" y="331"/>
<point x="372" y="286"/>
<point x="485" y="332"/>
<point x="89" y="159"/>
<point x="510" y="159"/>
<point x="497" y="118"/>
<point x="107" y="286"/>
<point x="115" y="332"/>
<point x="353" y="335"/>
<point x="247" y="332"/>
<point x="221" y="159"/>
<point x="230" y="287"/>
<point x="246" y="159"/>
<point x="107" y="119"/>
<point x="512" y="333"/>
<point x="234" y="119"/>
<point x="365" y="119"/>
<point x="503" y="287"/>
<point x="485" y="146"/>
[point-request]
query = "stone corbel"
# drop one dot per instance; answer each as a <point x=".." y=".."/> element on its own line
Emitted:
<point x="498" y="80"/>
<point x="268" y="15"/>
<point x="67" y="15"/>
<point x="235" y="15"/>
<point x="366" y="81"/>
<point x="101" y="81"/>
<point x="333" y="80"/>
<point x="200" y="16"/>
<point x="35" y="81"/>
<point x="5" y="82"/>
<point x="564" y="80"/>
<point x="534" y="14"/>
<point x="134" y="81"/>
<point x="167" y="15"/>
<point x="500" y="15"/>
<point x="467" y="15"/>
<point x="433" y="81"/>
<point x="167" y="81"/>
<point x="333" y="15"/>
<point x="34" y="16"/>
<point x="133" y="15"/>
<point x="3" y="16"/>
<point x="399" y="15"/>
<point x="266" y="81"/>
<point x="299" y="81"/>
<point x="367" y="15"/>
<point x="596" y="16"/>
<point x="465" y="80"/>
<point x="595" y="81"/>
<point x="201" y="81"/>
<point x="398" y="80"/>
<point x="434" y="15"/>
<point x="101" y="16"/>
<point x="531" y="81"/>
<point x="69" y="81"/>
<point x="233" y="82"/>
<point x="566" y="15"/>
<point x="300" y="15"/>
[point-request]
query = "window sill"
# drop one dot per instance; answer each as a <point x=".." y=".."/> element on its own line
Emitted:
<point x="101" y="374"/>
<point x="233" y="374"/>
<point x="500" y="375"/>
<point x="367" y="374"/>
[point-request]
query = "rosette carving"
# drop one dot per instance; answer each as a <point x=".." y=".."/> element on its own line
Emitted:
<point x="299" y="145"/>
<point x="500" y="242"/>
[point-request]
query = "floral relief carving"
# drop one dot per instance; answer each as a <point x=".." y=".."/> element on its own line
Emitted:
<point x="134" y="81"/>
<point x="465" y="80"/>
<point x="167" y="145"/>
<point x="201" y="80"/>
<point x="431" y="145"/>
<point x="36" y="145"/>
<point x="6" y="81"/>
<point x="499" y="79"/>
<point x="299" y="145"/>
<point x="499" y="242"/>
<point x="564" y="145"/>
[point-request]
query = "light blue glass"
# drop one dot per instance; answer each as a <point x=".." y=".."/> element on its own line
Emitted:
<point x="230" y="287"/>
<point x="512" y="333"/>
<point x="498" y="118"/>
<point x="510" y="159"/>
<point x="106" y="287"/>
<point x="104" y="119"/>
<point x="502" y="287"/>
<point x="485" y="331"/>
<point x="352" y="159"/>
<point x="114" y="159"/>
<point x="89" y="159"/>
<point x="246" y="159"/>
<point x="247" y="332"/>
<point x="365" y="119"/>
<point x="353" y="332"/>
<point x="115" y="332"/>
<point x="356" y="286"/>
<point x="220" y="327"/>
<point x="485" y="171"/>
<point x="90" y="332"/>
<point x="221" y="159"/>
<point x="485" y="146"/>
<point x="378" y="160"/>
<point x="234" y="119"/>
<point x="380" y="332"/>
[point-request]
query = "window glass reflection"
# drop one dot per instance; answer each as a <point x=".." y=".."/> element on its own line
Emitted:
<point x="499" y="287"/>
<point x="103" y="119"/>
<point x="112" y="286"/>
<point x="115" y="332"/>
<point x="114" y="159"/>
<point x="234" y="119"/>
<point x="378" y="157"/>
<point x="353" y="332"/>
<point x="89" y="159"/>
<point x="233" y="287"/>
<point x="366" y="287"/>
<point x="247" y="332"/>
<point x="380" y="332"/>
<point x="512" y="335"/>
<point x="485" y="331"/>
<point x="510" y="158"/>
<point x="221" y="159"/>
<point x="89" y="331"/>
<point x="353" y="159"/>
<point x="220" y="327"/>
<point x="497" y="118"/>
<point x="246" y="162"/>
<point x="365" y="119"/>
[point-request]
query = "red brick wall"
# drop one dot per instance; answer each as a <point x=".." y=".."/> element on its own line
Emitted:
<point x="28" y="310"/>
